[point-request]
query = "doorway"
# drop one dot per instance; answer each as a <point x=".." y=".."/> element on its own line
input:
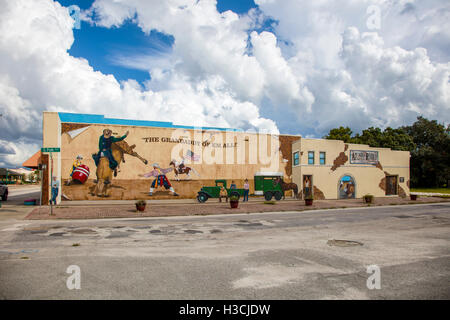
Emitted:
<point x="391" y="185"/>
<point x="347" y="187"/>
<point x="307" y="186"/>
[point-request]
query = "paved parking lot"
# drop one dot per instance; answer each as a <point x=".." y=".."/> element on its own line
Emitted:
<point x="278" y="255"/>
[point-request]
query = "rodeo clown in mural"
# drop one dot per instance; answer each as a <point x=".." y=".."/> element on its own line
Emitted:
<point x="104" y="144"/>
<point x="161" y="179"/>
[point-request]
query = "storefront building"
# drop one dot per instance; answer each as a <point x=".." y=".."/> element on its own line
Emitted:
<point x="332" y="169"/>
<point x="149" y="157"/>
<point x="120" y="159"/>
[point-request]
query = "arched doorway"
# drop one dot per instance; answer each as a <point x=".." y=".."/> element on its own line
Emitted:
<point x="347" y="187"/>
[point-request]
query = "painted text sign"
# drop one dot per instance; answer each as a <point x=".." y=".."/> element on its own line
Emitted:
<point x="363" y="157"/>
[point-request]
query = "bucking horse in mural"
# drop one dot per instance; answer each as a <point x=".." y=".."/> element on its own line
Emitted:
<point x="104" y="170"/>
<point x="180" y="168"/>
<point x="285" y="186"/>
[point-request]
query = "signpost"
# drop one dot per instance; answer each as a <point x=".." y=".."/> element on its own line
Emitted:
<point x="51" y="150"/>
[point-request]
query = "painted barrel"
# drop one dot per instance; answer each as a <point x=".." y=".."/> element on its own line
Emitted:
<point x="81" y="173"/>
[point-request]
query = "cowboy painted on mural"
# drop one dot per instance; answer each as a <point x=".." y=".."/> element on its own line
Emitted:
<point x="161" y="179"/>
<point x="104" y="144"/>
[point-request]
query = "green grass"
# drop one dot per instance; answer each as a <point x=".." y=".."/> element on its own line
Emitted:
<point x="431" y="190"/>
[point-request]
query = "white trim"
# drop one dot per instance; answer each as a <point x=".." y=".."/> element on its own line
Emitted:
<point x="259" y="193"/>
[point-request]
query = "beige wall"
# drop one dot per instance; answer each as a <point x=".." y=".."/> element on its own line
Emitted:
<point x="215" y="167"/>
<point x="51" y="138"/>
<point x="367" y="177"/>
<point x="252" y="153"/>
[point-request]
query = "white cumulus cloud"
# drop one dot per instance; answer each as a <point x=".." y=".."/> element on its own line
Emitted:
<point x="319" y="62"/>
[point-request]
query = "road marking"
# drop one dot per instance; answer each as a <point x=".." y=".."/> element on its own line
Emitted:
<point x="16" y="227"/>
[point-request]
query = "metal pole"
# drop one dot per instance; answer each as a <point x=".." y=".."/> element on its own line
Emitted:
<point x="51" y="181"/>
<point x="40" y="195"/>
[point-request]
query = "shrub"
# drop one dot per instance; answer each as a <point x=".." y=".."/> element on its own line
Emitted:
<point x="141" y="203"/>
<point x="234" y="198"/>
<point x="368" y="198"/>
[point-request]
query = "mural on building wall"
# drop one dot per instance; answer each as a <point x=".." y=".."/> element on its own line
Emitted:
<point x="94" y="165"/>
<point x="108" y="158"/>
<point x="79" y="173"/>
<point x="161" y="179"/>
<point x="346" y="188"/>
<point x="181" y="168"/>
<point x="286" y="186"/>
<point x="307" y="186"/>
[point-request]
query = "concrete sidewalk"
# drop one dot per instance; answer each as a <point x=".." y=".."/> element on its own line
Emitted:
<point x="164" y="209"/>
<point x="156" y="201"/>
<point x="431" y="194"/>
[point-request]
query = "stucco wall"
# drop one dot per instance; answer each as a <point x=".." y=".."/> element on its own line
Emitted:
<point x="224" y="155"/>
<point x="367" y="177"/>
<point x="51" y="138"/>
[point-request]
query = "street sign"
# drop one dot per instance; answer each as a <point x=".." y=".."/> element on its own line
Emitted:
<point x="50" y="149"/>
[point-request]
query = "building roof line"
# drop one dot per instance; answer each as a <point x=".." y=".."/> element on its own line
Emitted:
<point x="66" y="117"/>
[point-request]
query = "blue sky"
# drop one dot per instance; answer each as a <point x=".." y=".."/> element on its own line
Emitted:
<point x="101" y="45"/>
<point x="288" y="66"/>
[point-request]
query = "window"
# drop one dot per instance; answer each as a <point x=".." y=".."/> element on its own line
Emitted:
<point x="310" y="157"/>
<point x="322" y="158"/>
<point x="296" y="159"/>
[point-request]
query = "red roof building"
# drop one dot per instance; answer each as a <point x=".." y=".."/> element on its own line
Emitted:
<point x="34" y="161"/>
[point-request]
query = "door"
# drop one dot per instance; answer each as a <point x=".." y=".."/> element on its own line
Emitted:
<point x="307" y="186"/>
<point x="347" y="187"/>
<point x="391" y="185"/>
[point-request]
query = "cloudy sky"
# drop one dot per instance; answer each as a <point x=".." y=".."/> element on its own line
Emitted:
<point x="287" y="66"/>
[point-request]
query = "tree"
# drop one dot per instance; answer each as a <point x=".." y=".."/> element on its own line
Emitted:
<point x="396" y="139"/>
<point x="372" y="136"/>
<point x="341" y="133"/>
<point x="430" y="160"/>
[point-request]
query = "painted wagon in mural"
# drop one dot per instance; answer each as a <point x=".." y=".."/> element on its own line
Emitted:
<point x="214" y="192"/>
<point x="266" y="185"/>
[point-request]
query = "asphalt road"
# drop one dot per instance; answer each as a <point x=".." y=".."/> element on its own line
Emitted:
<point x="250" y="256"/>
<point x="17" y="194"/>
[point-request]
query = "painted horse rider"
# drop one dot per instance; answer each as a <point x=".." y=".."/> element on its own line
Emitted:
<point x="104" y="144"/>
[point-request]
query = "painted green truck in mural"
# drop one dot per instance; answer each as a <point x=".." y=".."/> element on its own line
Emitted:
<point x="214" y="192"/>
<point x="267" y="186"/>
